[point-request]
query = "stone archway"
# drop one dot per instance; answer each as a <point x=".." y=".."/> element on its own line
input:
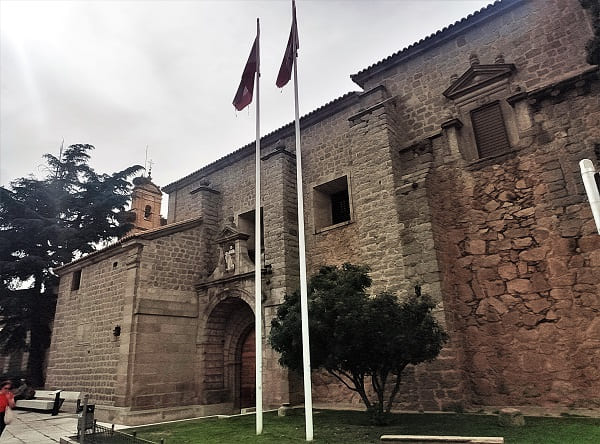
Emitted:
<point x="226" y="331"/>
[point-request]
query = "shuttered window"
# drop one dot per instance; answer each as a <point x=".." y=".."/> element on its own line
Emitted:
<point x="489" y="129"/>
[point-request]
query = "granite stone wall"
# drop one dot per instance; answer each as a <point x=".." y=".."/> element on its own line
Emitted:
<point x="84" y="353"/>
<point x="425" y="209"/>
<point x="520" y="258"/>
<point x="504" y="245"/>
<point x="165" y="311"/>
<point x="545" y="39"/>
<point x="146" y="288"/>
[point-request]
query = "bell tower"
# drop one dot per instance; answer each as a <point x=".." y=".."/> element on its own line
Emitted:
<point x="146" y="199"/>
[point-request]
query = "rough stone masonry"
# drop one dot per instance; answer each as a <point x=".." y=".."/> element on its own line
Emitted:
<point x="455" y="167"/>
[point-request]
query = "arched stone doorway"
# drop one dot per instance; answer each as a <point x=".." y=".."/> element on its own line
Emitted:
<point x="228" y="348"/>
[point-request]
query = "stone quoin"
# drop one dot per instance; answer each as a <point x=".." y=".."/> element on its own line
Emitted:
<point x="455" y="167"/>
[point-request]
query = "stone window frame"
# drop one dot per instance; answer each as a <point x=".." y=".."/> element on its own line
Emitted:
<point x="321" y="193"/>
<point x="76" y="280"/>
<point x="246" y="225"/>
<point x="82" y="334"/>
<point x="478" y="87"/>
<point x="466" y="134"/>
<point x="501" y="128"/>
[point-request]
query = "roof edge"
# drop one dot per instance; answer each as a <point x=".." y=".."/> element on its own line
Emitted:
<point x="129" y="241"/>
<point x="441" y="36"/>
<point x="306" y="121"/>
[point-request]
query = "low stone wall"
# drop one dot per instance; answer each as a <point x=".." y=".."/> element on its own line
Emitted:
<point x="127" y="416"/>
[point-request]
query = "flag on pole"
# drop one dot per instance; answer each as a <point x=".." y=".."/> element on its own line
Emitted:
<point x="285" y="72"/>
<point x="243" y="96"/>
<point x="288" y="66"/>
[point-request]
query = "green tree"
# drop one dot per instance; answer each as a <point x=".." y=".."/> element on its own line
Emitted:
<point x="44" y="224"/>
<point x="356" y="337"/>
<point x="593" y="45"/>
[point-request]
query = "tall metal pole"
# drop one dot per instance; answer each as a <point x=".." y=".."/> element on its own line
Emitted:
<point x="592" y="188"/>
<point x="303" y="287"/>
<point x="257" y="251"/>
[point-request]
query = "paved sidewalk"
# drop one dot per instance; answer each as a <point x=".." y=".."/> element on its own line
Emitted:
<point x="39" y="428"/>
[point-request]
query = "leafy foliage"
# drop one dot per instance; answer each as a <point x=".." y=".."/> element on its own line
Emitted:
<point x="44" y="224"/>
<point x="593" y="45"/>
<point x="356" y="337"/>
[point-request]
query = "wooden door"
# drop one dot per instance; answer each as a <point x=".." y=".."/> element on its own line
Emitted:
<point x="248" y="372"/>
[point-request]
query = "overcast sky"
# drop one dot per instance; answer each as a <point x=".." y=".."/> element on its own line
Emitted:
<point x="123" y="75"/>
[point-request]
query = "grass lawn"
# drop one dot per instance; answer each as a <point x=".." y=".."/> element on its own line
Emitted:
<point x="353" y="427"/>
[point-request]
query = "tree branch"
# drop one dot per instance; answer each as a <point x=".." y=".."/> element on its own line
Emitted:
<point x="395" y="390"/>
<point x="339" y="378"/>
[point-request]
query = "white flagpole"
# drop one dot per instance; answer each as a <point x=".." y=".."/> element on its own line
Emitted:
<point x="302" y="246"/>
<point x="592" y="190"/>
<point x="257" y="251"/>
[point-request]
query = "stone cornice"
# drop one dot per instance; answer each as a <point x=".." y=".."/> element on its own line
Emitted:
<point x="205" y="188"/>
<point x="232" y="278"/>
<point x="279" y="150"/>
<point x="371" y="109"/>
<point x="551" y="90"/>
<point x="456" y="123"/>
<point x="554" y="89"/>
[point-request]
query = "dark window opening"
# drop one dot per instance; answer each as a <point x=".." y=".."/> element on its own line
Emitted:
<point x="76" y="282"/>
<point x="331" y="203"/>
<point x="246" y="224"/>
<point x="489" y="129"/>
<point x="147" y="212"/>
<point x="340" y="207"/>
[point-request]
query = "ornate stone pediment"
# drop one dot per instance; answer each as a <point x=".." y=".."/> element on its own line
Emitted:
<point x="233" y="256"/>
<point x="230" y="234"/>
<point x="477" y="77"/>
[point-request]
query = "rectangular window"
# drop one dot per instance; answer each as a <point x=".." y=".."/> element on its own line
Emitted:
<point x="489" y="130"/>
<point x="76" y="282"/>
<point x="247" y="224"/>
<point x="331" y="203"/>
<point x="340" y="207"/>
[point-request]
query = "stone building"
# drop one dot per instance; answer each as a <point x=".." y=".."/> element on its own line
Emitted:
<point x="455" y="167"/>
<point x="146" y="199"/>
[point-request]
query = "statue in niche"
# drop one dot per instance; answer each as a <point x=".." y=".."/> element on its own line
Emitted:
<point x="229" y="259"/>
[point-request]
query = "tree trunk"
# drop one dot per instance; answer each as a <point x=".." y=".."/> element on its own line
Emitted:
<point x="38" y="339"/>
<point x="359" y="383"/>
<point x="394" y="390"/>
<point x="379" y="386"/>
<point x="37" y="358"/>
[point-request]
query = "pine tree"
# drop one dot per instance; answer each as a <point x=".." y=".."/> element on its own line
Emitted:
<point x="45" y="223"/>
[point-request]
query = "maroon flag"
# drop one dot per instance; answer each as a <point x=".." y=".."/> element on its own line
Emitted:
<point x="285" y="72"/>
<point x="243" y="96"/>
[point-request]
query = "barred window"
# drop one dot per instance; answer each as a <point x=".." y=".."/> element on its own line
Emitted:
<point x="331" y="202"/>
<point x="340" y="207"/>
